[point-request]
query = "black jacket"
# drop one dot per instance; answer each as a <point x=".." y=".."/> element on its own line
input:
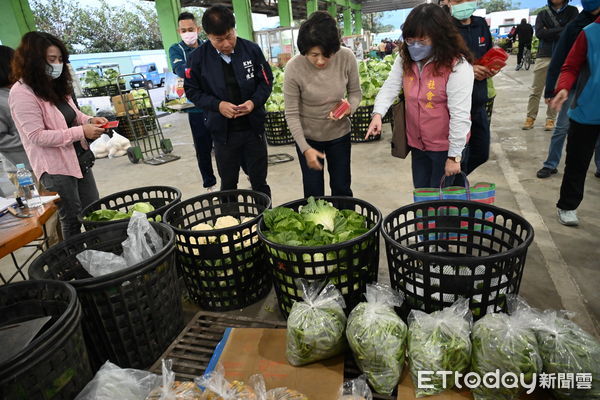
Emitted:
<point x="566" y="41"/>
<point x="479" y="41"/>
<point x="524" y="33"/>
<point x="547" y="31"/>
<point x="205" y="84"/>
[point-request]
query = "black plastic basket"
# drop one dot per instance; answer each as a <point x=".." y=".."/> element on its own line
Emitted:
<point x="55" y="364"/>
<point x="223" y="269"/>
<point x="489" y="108"/>
<point x="277" y="131"/>
<point x="440" y="250"/>
<point x="161" y="198"/>
<point x="349" y="265"/>
<point x="130" y="316"/>
<point x="360" y="123"/>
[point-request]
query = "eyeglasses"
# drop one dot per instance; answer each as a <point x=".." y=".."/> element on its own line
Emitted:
<point x="412" y="41"/>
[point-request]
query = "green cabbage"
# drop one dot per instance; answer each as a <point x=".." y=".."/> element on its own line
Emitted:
<point x="114" y="215"/>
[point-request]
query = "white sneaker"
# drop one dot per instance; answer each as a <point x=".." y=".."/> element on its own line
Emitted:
<point x="568" y="217"/>
<point x="212" y="188"/>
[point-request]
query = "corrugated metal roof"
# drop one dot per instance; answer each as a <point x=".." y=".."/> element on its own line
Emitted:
<point x="372" y="6"/>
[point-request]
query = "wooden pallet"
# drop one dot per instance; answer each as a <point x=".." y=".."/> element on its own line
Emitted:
<point x="193" y="348"/>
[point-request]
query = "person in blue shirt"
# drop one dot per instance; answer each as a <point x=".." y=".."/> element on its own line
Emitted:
<point x="229" y="78"/>
<point x="179" y="53"/>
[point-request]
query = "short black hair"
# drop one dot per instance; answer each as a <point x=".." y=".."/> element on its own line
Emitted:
<point x="6" y="55"/>
<point x="218" y="20"/>
<point x="186" y="15"/>
<point x="319" y="30"/>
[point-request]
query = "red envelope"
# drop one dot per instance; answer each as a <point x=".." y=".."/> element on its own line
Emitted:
<point x="340" y="109"/>
<point x="110" y="125"/>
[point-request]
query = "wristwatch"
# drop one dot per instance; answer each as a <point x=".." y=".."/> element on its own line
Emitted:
<point x="455" y="159"/>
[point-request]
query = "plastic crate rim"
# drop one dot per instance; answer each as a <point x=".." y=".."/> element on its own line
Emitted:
<point x="327" y="247"/>
<point x="167" y="249"/>
<point x="220" y="231"/>
<point x="468" y="260"/>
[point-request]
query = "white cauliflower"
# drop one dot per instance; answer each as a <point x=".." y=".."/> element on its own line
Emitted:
<point x="226" y="222"/>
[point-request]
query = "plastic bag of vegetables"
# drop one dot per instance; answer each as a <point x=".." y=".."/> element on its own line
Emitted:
<point x="377" y="337"/>
<point x="216" y="387"/>
<point x="439" y="341"/>
<point x="282" y="393"/>
<point x="505" y="343"/>
<point x="173" y="390"/>
<point x="356" y="389"/>
<point x="315" y="326"/>
<point x="564" y="348"/>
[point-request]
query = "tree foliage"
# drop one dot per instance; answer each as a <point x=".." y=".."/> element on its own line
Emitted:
<point x="104" y="28"/>
<point x="499" y="5"/>
<point x="372" y="23"/>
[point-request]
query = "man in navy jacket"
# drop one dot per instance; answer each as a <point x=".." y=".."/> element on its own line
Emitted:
<point x="229" y="78"/>
<point x="179" y="54"/>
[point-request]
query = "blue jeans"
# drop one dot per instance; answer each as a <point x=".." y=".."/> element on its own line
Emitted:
<point x="428" y="168"/>
<point x="560" y="134"/>
<point x="337" y="157"/>
<point x="203" y="146"/>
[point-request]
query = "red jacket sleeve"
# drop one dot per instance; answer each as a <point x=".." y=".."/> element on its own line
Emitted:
<point x="575" y="60"/>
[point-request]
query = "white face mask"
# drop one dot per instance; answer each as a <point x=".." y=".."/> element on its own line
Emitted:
<point x="189" y="38"/>
<point x="54" y="70"/>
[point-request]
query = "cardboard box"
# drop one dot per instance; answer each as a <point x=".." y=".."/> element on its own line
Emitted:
<point x="117" y="102"/>
<point x="250" y="351"/>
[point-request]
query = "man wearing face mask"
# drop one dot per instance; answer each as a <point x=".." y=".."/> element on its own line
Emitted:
<point x="549" y="25"/>
<point x="476" y="34"/>
<point x="229" y="78"/>
<point x="179" y="53"/>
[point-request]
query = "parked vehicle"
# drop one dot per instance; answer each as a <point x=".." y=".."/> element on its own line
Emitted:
<point x="152" y="78"/>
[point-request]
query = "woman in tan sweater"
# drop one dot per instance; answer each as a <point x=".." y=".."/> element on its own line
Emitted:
<point x="315" y="81"/>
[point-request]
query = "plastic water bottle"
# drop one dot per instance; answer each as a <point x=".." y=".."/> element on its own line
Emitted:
<point x="27" y="189"/>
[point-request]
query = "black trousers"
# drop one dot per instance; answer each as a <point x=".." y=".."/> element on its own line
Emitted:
<point x="203" y="145"/>
<point x="522" y="46"/>
<point x="337" y="158"/>
<point x="243" y="148"/>
<point x="581" y="142"/>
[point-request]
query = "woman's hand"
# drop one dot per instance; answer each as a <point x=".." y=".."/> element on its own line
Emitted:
<point x="374" y="126"/>
<point x="331" y="116"/>
<point x="313" y="159"/>
<point x="452" y="167"/>
<point x="92" y="131"/>
<point x="557" y="101"/>
<point x="481" y="72"/>
<point x="98" y="121"/>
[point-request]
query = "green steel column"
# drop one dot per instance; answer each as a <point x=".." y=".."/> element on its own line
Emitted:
<point x="243" y="18"/>
<point x="332" y="9"/>
<point x="311" y="7"/>
<point x="347" y="21"/>
<point x="16" y="20"/>
<point x="168" y="12"/>
<point x="358" y="22"/>
<point x="284" y="8"/>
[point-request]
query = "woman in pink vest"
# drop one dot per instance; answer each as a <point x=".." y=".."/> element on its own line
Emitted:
<point x="53" y="130"/>
<point x="435" y="74"/>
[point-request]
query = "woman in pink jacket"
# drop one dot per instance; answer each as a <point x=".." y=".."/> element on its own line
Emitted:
<point x="434" y="72"/>
<point x="53" y="130"/>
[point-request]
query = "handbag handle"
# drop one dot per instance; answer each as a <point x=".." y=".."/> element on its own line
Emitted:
<point x="467" y="186"/>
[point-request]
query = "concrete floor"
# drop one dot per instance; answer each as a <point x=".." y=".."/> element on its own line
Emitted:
<point x="562" y="263"/>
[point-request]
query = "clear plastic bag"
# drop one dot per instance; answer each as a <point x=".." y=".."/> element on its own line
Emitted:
<point x="315" y="326"/>
<point x="142" y="240"/>
<point x="508" y="344"/>
<point x="377" y="337"/>
<point x="439" y="341"/>
<point x="281" y="393"/>
<point x="100" y="146"/>
<point x="170" y="389"/>
<point x="564" y="347"/>
<point x="98" y="263"/>
<point x="216" y="387"/>
<point x="356" y="389"/>
<point x="112" y="382"/>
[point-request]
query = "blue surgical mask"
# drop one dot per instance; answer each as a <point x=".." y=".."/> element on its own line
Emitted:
<point x="463" y="11"/>
<point x="419" y="51"/>
<point x="590" y="5"/>
<point x="54" y="70"/>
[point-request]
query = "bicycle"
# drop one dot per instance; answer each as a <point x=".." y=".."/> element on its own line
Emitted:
<point x="527" y="59"/>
